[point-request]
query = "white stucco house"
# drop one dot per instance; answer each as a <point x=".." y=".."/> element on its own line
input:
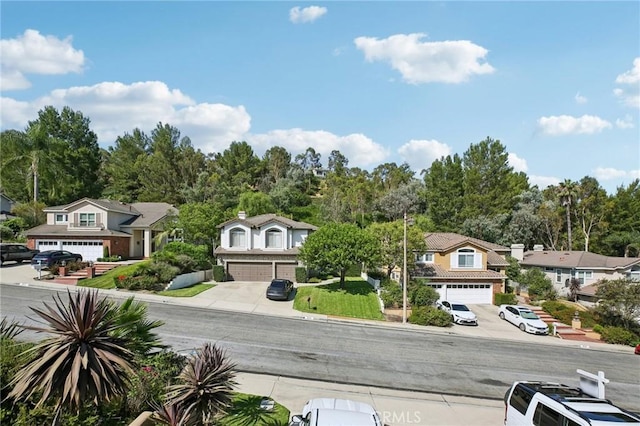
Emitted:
<point x="260" y="248"/>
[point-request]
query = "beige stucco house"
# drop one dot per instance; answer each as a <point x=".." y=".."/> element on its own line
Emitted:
<point x="88" y="225"/>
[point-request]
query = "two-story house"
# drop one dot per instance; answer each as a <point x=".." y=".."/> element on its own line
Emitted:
<point x="88" y="225"/>
<point x="260" y="248"/>
<point x="462" y="269"/>
<point x="561" y="266"/>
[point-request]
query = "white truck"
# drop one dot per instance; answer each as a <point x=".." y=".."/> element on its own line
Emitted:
<point x="336" y="412"/>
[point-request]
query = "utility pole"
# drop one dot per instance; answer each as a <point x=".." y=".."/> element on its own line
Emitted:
<point x="404" y="273"/>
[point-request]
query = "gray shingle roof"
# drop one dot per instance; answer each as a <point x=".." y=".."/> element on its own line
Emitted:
<point x="150" y="213"/>
<point x="62" y="231"/>
<point x="258" y="221"/>
<point x="576" y="259"/>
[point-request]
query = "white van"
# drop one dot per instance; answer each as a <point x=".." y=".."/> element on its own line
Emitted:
<point x="336" y="412"/>
<point x="554" y="404"/>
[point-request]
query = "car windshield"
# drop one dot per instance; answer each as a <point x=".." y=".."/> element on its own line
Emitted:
<point x="277" y="284"/>
<point x="459" y="307"/>
<point x="528" y="315"/>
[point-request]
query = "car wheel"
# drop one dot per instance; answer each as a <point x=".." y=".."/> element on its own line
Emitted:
<point x="522" y="327"/>
<point x="501" y="315"/>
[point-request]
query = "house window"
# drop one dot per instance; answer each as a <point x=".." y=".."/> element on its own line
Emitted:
<point x="583" y="276"/>
<point x="466" y="258"/>
<point x="558" y="275"/>
<point x="61" y="217"/>
<point x="424" y="258"/>
<point x="87" y="219"/>
<point x="238" y="238"/>
<point x="274" y="238"/>
<point x="634" y="275"/>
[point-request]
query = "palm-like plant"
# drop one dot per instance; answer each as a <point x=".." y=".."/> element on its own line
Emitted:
<point x="82" y="361"/>
<point x="134" y="327"/>
<point x="567" y="193"/>
<point x="205" y="386"/>
<point x="574" y="287"/>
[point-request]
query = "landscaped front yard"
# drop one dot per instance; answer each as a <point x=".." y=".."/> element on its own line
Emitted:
<point x="357" y="300"/>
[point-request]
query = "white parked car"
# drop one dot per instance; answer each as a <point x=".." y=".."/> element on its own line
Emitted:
<point x="523" y="318"/>
<point x="459" y="312"/>
<point x="336" y="411"/>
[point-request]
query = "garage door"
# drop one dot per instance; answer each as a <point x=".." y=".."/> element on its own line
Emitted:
<point x="89" y="249"/>
<point x="286" y="270"/>
<point x="239" y="271"/>
<point x="466" y="293"/>
<point x="48" y="245"/>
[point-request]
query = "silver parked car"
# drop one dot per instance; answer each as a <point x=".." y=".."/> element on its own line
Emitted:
<point x="523" y="318"/>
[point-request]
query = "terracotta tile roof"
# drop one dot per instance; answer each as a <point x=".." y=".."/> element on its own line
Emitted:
<point x="435" y="271"/>
<point x="258" y="221"/>
<point x="494" y="259"/>
<point x="577" y="259"/>
<point x="589" y="290"/>
<point x="444" y="241"/>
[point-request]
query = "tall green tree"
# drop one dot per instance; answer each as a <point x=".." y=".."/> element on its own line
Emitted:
<point x="389" y="176"/>
<point x="590" y="207"/>
<point x="236" y="170"/>
<point x="619" y="301"/>
<point x="255" y="203"/>
<point x="407" y="198"/>
<point x="623" y="222"/>
<point x="122" y="166"/>
<point x="337" y="247"/>
<point x="391" y="237"/>
<point x="277" y="162"/>
<point x="444" y="192"/>
<point x="198" y="222"/>
<point x="490" y="184"/>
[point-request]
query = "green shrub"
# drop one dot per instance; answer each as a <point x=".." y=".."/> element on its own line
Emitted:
<point x="110" y="259"/>
<point x="218" y="273"/>
<point x="504" y="299"/>
<point x="618" y="336"/>
<point x="199" y="253"/>
<point x="105" y="251"/>
<point x="301" y="274"/>
<point x="424" y="295"/>
<point x="377" y="275"/>
<point x="598" y="328"/>
<point x="429" y="315"/>
<point x="564" y="313"/>
<point x="139" y="282"/>
<point x="391" y="294"/>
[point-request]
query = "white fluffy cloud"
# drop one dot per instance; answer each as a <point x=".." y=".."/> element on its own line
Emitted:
<point x="567" y="125"/>
<point x="625" y="123"/>
<point x="427" y="62"/>
<point x="116" y="108"/>
<point x="609" y="173"/>
<point x="518" y="164"/>
<point x="580" y="99"/>
<point x="359" y="149"/>
<point x="420" y="154"/>
<point x="33" y="53"/>
<point x="299" y="15"/>
<point x="543" y="181"/>
<point x="630" y="92"/>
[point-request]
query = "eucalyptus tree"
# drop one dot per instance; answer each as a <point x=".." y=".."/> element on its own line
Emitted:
<point x="623" y="222"/>
<point x="525" y="223"/>
<point x="590" y="207"/>
<point x="122" y="166"/>
<point x="277" y="162"/>
<point x="389" y="176"/>
<point x="309" y="162"/>
<point x="407" y="198"/>
<point x="255" y="203"/>
<point x="337" y="163"/>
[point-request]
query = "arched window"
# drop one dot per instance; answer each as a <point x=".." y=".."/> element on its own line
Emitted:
<point x="466" y="258"/>
<point x="238" y="238"/>
<point x="274" y="238"/>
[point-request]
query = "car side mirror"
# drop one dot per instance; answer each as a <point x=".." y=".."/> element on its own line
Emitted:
<point x="296" y="420"/>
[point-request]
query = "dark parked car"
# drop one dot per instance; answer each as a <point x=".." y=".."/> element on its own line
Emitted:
<point x="17" y="252"/>
<point x="279" y="289"/>
<point x="46" y="259"/>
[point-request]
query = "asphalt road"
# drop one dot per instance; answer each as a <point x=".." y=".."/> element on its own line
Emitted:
<point x="373" y="355"/>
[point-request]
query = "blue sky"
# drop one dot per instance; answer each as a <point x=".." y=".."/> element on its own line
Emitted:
<point x="556" y="82"/>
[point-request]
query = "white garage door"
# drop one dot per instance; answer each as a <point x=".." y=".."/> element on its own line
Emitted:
<point x="89" y="249"/>
<point x="465" y="293"/>
<point x="48" y="245"/>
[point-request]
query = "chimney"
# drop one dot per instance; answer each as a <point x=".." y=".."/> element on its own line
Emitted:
<point x="517" y="251"/>
<point x="538" y="247"/>
<point x="242" y="215"/>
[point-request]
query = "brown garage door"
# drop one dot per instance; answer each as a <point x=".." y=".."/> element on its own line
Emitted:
<point x="249" y="271"/>
<point x="286" y="270"/>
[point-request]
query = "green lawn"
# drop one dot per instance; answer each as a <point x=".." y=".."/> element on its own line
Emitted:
<point x="246" y="412"/>
<point x="357" y="300"/>
<point x="106" y="280"/>
<point x="187" y="291"/>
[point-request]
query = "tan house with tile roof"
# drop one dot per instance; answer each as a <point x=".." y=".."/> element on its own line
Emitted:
<point x="462" y="269"/>
<point x="260" y="248"/>
<point x="88" y="225"/>
<point x="589" y="268"/>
